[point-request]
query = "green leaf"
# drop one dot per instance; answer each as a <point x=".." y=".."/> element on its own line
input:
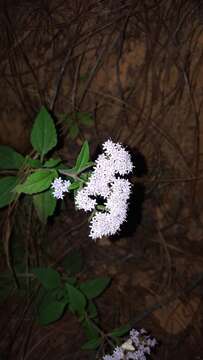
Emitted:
<point x="94" y="288"/>
<point x="83" y="157"/>
<point x="85" y="118"/>
<point x="85" y="175"/>
<point x="7" y="184"/>
<point x="72" y="280"/>
<point x="66" y="171"/>
<point x="90" y="331"/>
<point x="76" y="299"/>
<point x="45" y="296"/>
<point x="10" y="159"/>
<point x="52" y="163"/>
<point x="92" y="309"/>
<point x="122" y="330"/>
<point x="43" y="135"/>
<point x="34" y="163"/>
<point x="73" y="131"/>
<point x="37" y="182"/>
<point x="73" y="262"/>
<point x="48" y="313"/>
<point x="45" y="204"/>
<point x="75" y="185"/>
<point x="48" y="277"/>
<point x="92" y="344"/>
<point x="89" y="164"/>
<point x="61" y="294"/>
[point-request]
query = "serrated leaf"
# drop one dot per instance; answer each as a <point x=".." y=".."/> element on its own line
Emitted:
<point x="92" y="344"/>
<point x="52" y="163"/>
<point x="45" y="204"/>
<point x="48" y="277"/>
<point x="73" y="262"/>
<point x="120" y="331"/>
<point x="93" y="288"/>
<point x="73" y="131"/>
<point x="43" y="135"/>
<point x="49" y="313"/>
<point x="7" y="184"/>
<point x="37" y="182"/>
<point x="85" y="118"/>
<point x="77" y="300"/>
<point x="10" y="159"/>
<point x="83" y="157"/>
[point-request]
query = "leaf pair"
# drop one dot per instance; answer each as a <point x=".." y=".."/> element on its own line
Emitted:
<point x="59" y="295"/>
<point x="96" y="340"/>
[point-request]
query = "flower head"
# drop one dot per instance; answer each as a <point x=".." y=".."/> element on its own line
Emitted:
<point x="134" y="348"/>
<point x="105" y="183"/>
<point x="60" y="187"/>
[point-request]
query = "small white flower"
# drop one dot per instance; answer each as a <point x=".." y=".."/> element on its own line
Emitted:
<point x="151" y="342"/>
<point x="60" y="187"/>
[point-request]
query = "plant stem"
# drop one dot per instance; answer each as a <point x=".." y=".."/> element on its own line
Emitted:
<point x="73" y="176"/>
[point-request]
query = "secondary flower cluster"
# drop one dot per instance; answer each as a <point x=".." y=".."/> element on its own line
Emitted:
<point x="135" y="348"/>
<point x="60" y="187"/>
<point x="106" y="183"/>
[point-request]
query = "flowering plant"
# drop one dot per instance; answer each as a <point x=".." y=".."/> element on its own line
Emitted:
<point x="100" y="188"/>
<point x="134" y="348"/>
<point x="104" y="181"/>
<point x="40" y="177"/>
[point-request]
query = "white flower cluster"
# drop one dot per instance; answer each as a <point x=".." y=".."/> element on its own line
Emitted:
<point x="105" y="182"/>
<point x="60" y="187"/>
<point x="135" y="348"/>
